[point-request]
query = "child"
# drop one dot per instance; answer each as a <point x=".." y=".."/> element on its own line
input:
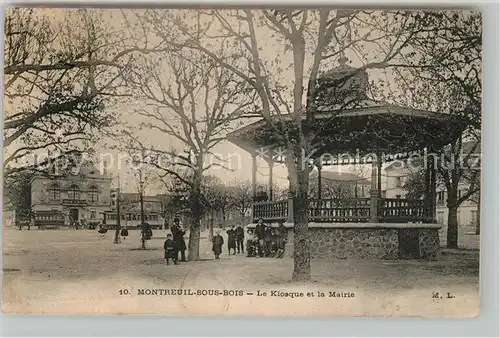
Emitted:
<point x="250" y="246"/>
<point x="253" y="246"/>
<point x="274" y="243"/>
<point x="217" y="242"/>
<point x="170" y="251"/>
<point x="124" y="233"/>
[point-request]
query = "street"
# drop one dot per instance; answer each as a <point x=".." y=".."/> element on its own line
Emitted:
<point x="70" y="271"/>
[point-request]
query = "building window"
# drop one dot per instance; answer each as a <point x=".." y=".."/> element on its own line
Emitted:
<point x="74" y="193"/>
<point x="440" y="197"/>
<point x="473" y="216"/>
<point x="92" y="214"/>
<point x="93" y="194"/>
<point x="54" y="192"/>
<point x="398" y="182"/>
<point x="398" y="197"/>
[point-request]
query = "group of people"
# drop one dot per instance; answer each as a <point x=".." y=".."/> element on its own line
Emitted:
<point x="175" y="244"/>
<point x="235" y="238"/>
<point x="265" y="241"/>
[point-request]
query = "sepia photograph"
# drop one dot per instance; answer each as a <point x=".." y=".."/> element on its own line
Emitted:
<point x="241" y="161"/>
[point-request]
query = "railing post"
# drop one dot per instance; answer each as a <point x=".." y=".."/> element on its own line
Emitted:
<point x="433" y="193"/>
<point x="290" y="209"/>
<point x="374" y="193"/>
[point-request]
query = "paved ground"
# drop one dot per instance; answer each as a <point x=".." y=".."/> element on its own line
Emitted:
<point x="69" y="271"/>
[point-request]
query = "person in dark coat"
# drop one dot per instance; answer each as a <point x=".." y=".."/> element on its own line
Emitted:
<point x="251" y="247"/>
<point x="146" y="231"/>
<point x="178" y="234"/>
<point x="217" y="242"/>
<point x="282" y="238"/>
<point x="267" y="241"/>
<point x="231" y="240"/>
<point x="260" y="230"/>
<point x="170" y="250"/>
<point x="273" y="248"/>
<point x="240" y="237"/>
<point x="124" y="233"/>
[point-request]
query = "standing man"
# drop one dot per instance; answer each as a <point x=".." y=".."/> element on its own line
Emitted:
<point x="240" y="237"/>
<point x="231" y="240"/>
<point x="260" y="230"/>
<point x="268" y="238"/>
<point x="178" y="234"/>
<point x="217" y="242"/>
<point x="282" y="238"/>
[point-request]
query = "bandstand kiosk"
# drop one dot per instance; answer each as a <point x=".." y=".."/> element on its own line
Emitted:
<point x="368" y="132"/>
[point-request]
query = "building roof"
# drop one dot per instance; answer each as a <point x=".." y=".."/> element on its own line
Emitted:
<point x="370" y="127"/>
<point x="69" y="164"/>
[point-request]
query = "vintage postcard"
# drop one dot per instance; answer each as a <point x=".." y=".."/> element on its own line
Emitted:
<point x="260" y="162"/>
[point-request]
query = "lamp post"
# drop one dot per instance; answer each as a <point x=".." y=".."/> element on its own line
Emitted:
<point x="118" y="216"/>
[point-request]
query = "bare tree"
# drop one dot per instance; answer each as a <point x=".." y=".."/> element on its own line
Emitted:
<point x="241" y="197"/>
<point x="191" y="101"/>
<point x="215" y="201"/>
<point x="61" y="78"/>
<point x="282" y="90"/>
<point x="443" y="72"/>
<point x="142" y="175"/>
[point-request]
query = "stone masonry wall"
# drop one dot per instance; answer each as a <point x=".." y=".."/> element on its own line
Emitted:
<point x="350" y="243"/>
<point x="429" y="244"/>
<point x="369" y="243"/>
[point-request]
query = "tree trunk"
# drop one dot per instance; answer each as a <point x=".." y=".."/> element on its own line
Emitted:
<point x="143" y="227"/>
<point x="195" y="231"/>
<point x="302" y="253"/>
<point x="478" y="215"/>
<point x="211" y="227"/>
<point x="452" y="232"/>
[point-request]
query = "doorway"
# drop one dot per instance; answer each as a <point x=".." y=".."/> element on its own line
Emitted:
<point x="73" y="215"/>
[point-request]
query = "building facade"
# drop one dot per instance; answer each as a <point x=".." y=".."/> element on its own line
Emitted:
<point x="84" y="195"/>
<point x="467" y="213"/>
<point x="130" y="210"/>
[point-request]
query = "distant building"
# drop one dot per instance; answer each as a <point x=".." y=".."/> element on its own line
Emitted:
<point x="8" y="215"/>
<point x="83" y="194"/>
<point x="467" y="213"/>
<point x="130" y="209"/>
